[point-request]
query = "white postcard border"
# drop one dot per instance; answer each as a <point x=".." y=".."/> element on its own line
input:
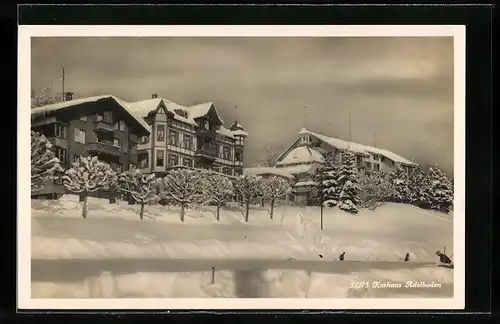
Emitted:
<point x="24" y="300"/>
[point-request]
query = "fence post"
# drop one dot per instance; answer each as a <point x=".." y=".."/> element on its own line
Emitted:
<point x="213" y="275"/>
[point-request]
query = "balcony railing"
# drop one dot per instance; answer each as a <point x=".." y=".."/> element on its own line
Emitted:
<point x="207" y="151"/>
<point x="60" y="142"/>
<point x="104" y="126"/>
<point x="105" y="148"/>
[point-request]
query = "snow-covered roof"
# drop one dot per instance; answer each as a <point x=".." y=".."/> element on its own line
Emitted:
<point x="296" y="169"/>
<point x="201" y="110"/>
<point x="357" y="148"/>
<point x="302" y="154"/>
<point x="226" y="132"/>
<point x="269" y="170"/>
<point x="79" y="101"/>
<point x="239" y="132"/>
<point x="305" y="183"/>
<point x="144" y="107"/>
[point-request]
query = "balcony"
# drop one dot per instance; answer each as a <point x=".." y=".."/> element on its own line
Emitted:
<point x="104" y="126"/>
<point x="206" y="151"/>
<point x="59" y="142"/>
<point x="104" y="148"/>
<point x="207" y="133"/>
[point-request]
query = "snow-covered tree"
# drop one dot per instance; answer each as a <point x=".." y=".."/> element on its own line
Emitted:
<point x="398" y="184"/>
<point x="328" y="191"/>
<point x="219" y="189"/>
<point x="275" y="188"/>
<point x="373" y="190"/>
<point x="246" y="187"/>
<point x="441" y="190"/>
<point x="46" y="97"/>
<point x="141" y="187"/>
<point x="420" y="188"/>
<point x="348" y="179"/>
<point x="45" y="166"/>
<point x="184" y="187"/>
<point x="87" y="175"/>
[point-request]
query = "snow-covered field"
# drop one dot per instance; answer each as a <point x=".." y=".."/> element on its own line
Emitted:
<point x="254" y="254"/>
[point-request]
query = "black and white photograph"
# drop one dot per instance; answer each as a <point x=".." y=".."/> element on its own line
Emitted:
<point x="246" y="167"/>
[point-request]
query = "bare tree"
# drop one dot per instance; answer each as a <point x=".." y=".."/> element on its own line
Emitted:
<point x="274" y="188"/>
<point x="87" y="175"/>
<point x="247" y="187"/>
<point x="46" y="97"/>
<point x="219" y="189"/>
<point x="184" y="187"/>
<point x="269" y="156"/>
<point x="140" y="186"/>
<point x="45" y="166"/>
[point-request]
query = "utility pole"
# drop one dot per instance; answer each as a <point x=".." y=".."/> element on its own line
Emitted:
<point x="305" y="116"/>
<point x="63" y="96"/>
<point x="350" y="135"/>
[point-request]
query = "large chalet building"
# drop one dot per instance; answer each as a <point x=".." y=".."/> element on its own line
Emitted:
<point x="153" y="135"/>
<point x="192" y="137"/>
<point x="301" y="160"/>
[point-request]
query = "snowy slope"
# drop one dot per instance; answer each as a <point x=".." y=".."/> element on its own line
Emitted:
<point x="110" y="231"/>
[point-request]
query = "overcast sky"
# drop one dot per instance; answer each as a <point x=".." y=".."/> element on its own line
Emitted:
<point x="399" y="90"/>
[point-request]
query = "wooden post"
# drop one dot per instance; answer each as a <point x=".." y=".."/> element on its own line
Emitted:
<point x="213" y="275"/>
<point x="321" y="209"/>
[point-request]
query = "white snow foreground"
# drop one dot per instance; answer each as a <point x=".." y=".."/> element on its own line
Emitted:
<point x="115" y="231"/>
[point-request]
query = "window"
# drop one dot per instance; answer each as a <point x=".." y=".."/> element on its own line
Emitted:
<point x="376" y="166"/>
<point x="160" y="158"/>
<point x="83" y="118"/>
<point x="144" y="140"/>
<point x="125" y="147"/>
<point x="132" y="146"/>
<point x="358" y="159"/>
<point x="143" y="160"/>
<point x="173" y="160"/>
<point x="237" y="156"/>
<point x="160" y="133"/>
<point x="61" y="154"/>
<point x="188" y="141"/>
<point x="61" y="131"/>
<point x="226" y="153"/>
<point x="206" y="125"/>
<point x="107" y="117"/>
<point x="119" y="168"/>
<point x="95" y="138"/>
<point x="173" y="137"/>
<point x="131" y="167"/>
<point x="98" y="117"/>
<point x="227" y="171"/>
<point x="76" y="158"/>
<point x="368" y="165"/>
<point x="116" y="142"/>
<point x="186" y="162"/>
<point x="79" y="136"/>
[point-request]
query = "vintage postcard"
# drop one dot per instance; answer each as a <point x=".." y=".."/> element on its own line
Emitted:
<point x="236" y="167"/>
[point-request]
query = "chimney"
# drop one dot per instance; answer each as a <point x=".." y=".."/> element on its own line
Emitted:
<point x="68" y="96"/>
<point x="154" y="96"/>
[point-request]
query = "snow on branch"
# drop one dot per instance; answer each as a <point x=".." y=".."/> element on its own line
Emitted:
<point x="89" y="174"/>
<point x="142" y="187"/>
<point x="45" y="166"/>
<point x="219" y="188"/>
<point x="185" y="187"/>
<point x="275" y="187"/>
<point x="248" y="186"/>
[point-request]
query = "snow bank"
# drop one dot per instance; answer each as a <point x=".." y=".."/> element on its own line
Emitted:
<point x="249" y="284"/>
<point x="115" y="231"/>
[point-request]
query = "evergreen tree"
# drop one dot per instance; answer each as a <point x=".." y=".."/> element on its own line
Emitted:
<point x="420" y="188"/>
<point x="398" y="185"/>
<point x="327" y="190"/>
<point x="348" y="180"/>
<point x="45" y="166"/>
<point x="441" y="190"/>
<point x="46" y="97"/>
<point x="373" y="190"/>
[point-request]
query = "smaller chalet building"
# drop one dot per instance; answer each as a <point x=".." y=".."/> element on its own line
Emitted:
<point x="102" y="126"/>
<point x="301" y="160"/>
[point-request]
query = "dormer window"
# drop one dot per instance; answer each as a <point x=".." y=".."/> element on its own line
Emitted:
<point x="206" y="125"/>
<point x="306" y="139"/>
